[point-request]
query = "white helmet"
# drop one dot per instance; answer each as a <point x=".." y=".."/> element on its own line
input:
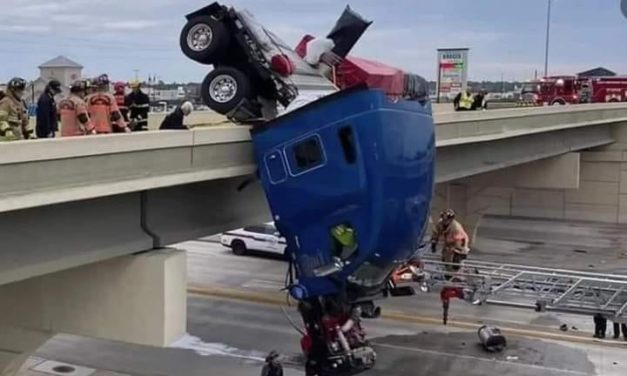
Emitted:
<point x="187" y="108"/>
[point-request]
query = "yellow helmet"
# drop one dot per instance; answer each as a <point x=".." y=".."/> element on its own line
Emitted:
<point x="134" y="84"/>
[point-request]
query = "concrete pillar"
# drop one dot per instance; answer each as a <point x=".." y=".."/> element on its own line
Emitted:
<point x="137" y="298"/>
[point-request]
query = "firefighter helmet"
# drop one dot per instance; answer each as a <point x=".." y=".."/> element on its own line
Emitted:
<point x="79" y="86"/>
<point x="119" y="86"/>
<point x="135" y="84"/>
<point x="102" y="80"/>
<point x="16" y="83"/>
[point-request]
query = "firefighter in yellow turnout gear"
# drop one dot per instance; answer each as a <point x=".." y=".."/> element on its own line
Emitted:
<point x="13" y="114"/>
<point x="455" y="240"/>
<point x="345" y="240"/>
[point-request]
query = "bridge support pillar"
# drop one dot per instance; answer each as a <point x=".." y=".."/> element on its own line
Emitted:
<point x="137" y="299"/>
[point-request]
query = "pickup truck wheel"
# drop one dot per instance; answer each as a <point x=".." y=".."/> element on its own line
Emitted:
<point x="223" y="89"/>
<point x="558" y="102"/>
<point x="204" y="39"/>
<point x="239" y="248"/>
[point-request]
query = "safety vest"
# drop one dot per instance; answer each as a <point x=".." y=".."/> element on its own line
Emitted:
<point x="345" y="235"/>
<point x="101" y="106"/>
<point x="465" y="101"/>
<point x="70" y="109"/>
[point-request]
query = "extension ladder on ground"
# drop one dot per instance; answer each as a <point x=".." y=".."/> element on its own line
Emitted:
<point x="535" y="287"/>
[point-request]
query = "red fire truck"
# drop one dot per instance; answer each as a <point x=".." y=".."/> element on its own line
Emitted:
<point x="561" y="90"/>
<point x="606" y="89"/>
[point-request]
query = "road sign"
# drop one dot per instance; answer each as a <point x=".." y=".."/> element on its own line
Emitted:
<point x="452" y="71"/>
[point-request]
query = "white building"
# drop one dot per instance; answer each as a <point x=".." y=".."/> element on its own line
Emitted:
<point x="60" y="68"/>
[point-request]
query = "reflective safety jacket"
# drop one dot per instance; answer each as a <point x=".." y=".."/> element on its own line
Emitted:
<point x="13" y="118"/>
<point x="75" y="119"/>
<point x="104" y="112"/>
<point x="454" y="236"/>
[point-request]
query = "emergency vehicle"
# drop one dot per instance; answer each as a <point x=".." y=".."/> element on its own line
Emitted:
<point x="561" y="90"/>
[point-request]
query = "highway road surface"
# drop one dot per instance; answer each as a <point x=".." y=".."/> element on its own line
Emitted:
<point x="234" y="317"/>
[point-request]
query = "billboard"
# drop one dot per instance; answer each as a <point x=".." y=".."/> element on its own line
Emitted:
<point x="452" y="71"/>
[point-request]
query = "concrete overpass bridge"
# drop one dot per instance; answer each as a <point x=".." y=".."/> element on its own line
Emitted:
<point x="70" y="207"/>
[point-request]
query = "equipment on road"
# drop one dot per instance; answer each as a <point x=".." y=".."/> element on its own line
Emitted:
<point x="541" y="289"/>
<point x="492" y="339"/>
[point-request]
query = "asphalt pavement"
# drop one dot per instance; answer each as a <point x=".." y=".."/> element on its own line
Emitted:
<point x="229" y="336"/>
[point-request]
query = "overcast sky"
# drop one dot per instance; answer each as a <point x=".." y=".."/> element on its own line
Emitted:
<point x="505" y="36"/>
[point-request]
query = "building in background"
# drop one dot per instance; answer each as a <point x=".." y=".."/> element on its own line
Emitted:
<point x="596" y="72"/>
<point x="60" y="68"/>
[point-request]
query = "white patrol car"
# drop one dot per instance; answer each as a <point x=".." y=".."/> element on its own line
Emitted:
<point x="263" y="237"/>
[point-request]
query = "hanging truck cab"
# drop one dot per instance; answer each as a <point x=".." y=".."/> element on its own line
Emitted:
<point x="353" y="161"/>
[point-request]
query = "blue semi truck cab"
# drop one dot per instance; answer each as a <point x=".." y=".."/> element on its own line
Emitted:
<point x="353" y="164"/>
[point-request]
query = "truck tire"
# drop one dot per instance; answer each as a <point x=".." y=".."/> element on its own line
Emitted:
<point x="223" y="89"/>
<point x="613" y="100"/>
<point x="558" y="102"/>
<point x="204" y="39"/>
<point x="239" y="247"/>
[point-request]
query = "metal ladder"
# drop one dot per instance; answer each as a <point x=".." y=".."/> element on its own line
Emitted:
<point x="542" y="289"/>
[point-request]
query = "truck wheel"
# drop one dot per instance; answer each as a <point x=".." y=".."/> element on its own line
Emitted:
<point x="558" y="102"/>
<point x="204" y="39"/>
<point x="613" y="100"/>
<point x="224" y="87"/>
<point x="239" y="248"/>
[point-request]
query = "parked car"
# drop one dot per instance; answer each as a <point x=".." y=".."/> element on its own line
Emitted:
<point x="264" y="238"/>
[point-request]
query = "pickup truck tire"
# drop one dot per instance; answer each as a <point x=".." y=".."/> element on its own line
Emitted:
<point x="558" y="102"/>
<point x="204" y="39"/>
<point x="239" y="247"/>
<point x="224" y="87"/>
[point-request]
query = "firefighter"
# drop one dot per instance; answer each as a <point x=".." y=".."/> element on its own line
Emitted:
<point x="174" y="120"/>
<point x="120" y="99"/>
<point x="600" y="326"/>
<point x="103" y="109"/>
<point x="91" y="86"/>
<point x="479" y="101"/>
<point x="618" y="327"/>
<point x="344" y="240"/>
<point x="455" y="240"/>
<point x="13" y="114"/>
<point x="75" y="119"/>
<point x="463" y="101"/>
<point x="272" y="366"/>
<point x="138" y="105"/>
<point x="47" y="117"/>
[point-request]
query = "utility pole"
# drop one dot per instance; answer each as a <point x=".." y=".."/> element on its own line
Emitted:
<point x="136" y="74"/>
<point x="548" y="36"/>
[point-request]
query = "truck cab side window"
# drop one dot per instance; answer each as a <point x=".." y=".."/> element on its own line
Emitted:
<point x="307" y="154"/>
<point x="348" y="144"/>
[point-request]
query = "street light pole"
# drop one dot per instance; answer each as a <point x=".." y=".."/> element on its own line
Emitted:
<point x="548" y="34"/>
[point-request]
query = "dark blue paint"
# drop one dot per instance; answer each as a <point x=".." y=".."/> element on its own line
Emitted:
<point x="384" y="193"/>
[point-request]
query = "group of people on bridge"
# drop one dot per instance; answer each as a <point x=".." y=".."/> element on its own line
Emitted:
<point x="89" y="109"/>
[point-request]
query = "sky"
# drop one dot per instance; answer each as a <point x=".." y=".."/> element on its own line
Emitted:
<point x="506" y="37"/>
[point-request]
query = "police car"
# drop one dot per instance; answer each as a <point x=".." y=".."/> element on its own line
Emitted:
<point x="263" y="237"/>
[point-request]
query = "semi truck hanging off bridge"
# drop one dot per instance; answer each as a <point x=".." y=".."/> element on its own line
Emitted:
<point x="345" y="152"/>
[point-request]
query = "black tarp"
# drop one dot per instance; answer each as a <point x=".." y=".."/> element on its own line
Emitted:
<point x="347" y="31"/>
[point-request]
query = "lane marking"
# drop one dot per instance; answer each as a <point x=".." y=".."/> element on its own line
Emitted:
<point x="476" y="358"/>
<point x="263" y="284"/>
<point x="278" y="299"/>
